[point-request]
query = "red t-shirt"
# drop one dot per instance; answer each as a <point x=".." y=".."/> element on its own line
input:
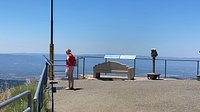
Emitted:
<point x="70" y="60"/>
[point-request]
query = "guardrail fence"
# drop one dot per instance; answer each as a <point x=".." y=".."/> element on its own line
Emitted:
<point x="177" y="68"/>
<point x="17" y="97"/>
<point x="165" y="65"/>
<point x="41" y="88"/>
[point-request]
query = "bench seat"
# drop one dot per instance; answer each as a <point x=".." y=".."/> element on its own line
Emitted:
<point x="119" y="71"/>
<point x="113" y="67"/>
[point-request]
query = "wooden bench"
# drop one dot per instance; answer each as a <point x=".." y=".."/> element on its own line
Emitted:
<point x="113" y="67"/>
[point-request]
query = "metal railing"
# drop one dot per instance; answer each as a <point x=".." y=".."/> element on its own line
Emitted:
<point x="173" y="60"/>
<point x="83" y="58"/>
<point x="78" y="58"/>
<point x="40" y="91"/>
<point x="84" y="62"/>
<point x="17" y="97"/>
<point x="62" y="65"/>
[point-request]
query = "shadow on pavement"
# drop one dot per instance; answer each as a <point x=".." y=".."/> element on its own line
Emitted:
<point x="63" y="88"/>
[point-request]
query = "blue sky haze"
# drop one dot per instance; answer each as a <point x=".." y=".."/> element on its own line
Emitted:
<point x="102" y="26"/>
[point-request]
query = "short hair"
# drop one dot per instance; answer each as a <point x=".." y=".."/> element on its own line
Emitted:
<point x="68" y="50"/>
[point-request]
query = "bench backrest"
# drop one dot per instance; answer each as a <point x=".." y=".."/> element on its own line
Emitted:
<point x="111" y="65"/>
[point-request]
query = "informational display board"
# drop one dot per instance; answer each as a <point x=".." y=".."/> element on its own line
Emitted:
<point x="112" y="56"/>
<point x="127" y="56"/>
<point x="120" y="57"/>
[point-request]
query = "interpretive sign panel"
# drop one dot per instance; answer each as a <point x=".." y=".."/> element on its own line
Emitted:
<point x="127" y="56"/>
<point x="112" y="56"/>
<point x="120" y="56"/>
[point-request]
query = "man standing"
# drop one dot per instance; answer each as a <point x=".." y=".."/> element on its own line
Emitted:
<point x="70" y="63"/>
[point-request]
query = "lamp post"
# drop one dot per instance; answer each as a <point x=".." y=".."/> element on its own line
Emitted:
<point x="51" y="71"/>
<point x="51" y="77"/>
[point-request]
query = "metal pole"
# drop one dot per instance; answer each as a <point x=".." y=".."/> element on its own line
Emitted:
<point x="83" y="67"/>
<point x="46" y="75"/>
<point x="154" y="65"/>
<point x="106" y="61"/>
<point x="52" y="97"/>
<point x="77" y="67"/>
<point x="35" y="105"/>
<point x="51" y="21"/>
<point x="165" y="68"/>
<point x="134" y="66"/>
<point x="51" y="45"/>
<point x="197" y="68"/>
<point x="29" y="100"/>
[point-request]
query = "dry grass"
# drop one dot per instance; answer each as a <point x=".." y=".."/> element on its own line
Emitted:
<point x="20" y="104"/>
<point x="4" y="96"/>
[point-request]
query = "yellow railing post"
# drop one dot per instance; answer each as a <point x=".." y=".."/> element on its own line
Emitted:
<point x="51" y="71"/>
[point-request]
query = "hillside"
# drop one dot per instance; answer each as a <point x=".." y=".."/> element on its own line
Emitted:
<point x="5" y="84"/>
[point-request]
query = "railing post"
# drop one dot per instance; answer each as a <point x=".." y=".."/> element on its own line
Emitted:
<point x="46" y="74"/>
<point x="134" y="66"/>
<point x="38" y="97"/>
<point x="83" y="67"/>
<point x="165" y="68"/>
<point x="106" y="60"/>
<point x="77" y="70"/>
<point x="197" y="68"/>
<point x="29" y="100"/>
<point x="38" y="103"/>
<point x="27" y="110"/>
<point x="35" y="105"/>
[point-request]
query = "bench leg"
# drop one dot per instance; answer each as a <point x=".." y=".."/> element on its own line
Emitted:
<point x="96" y="75"/>
<point x="130" y="77"/>
<point x="148" y="77"/>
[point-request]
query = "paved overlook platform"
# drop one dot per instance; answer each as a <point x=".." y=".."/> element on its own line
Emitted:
<point x="139" y="95"/>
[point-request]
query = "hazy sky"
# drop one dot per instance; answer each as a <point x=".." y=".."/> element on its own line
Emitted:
<point x="102" y="26"/>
